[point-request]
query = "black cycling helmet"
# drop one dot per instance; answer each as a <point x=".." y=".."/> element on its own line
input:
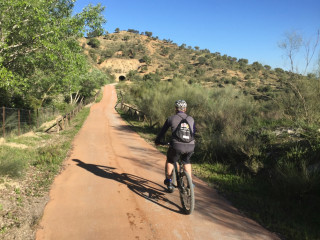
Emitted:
<point x="181" y="104"/>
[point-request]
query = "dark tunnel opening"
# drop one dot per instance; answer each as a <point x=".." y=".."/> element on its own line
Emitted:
<point x="122" y="78"/>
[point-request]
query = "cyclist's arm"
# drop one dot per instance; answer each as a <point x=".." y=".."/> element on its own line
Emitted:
<point x="162" y="132"/>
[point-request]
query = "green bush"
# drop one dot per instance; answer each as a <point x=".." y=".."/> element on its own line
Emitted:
<point x="108" y="53"/>
<point x="264" y="88"/>
<point x="164" y="51"/>
<point x="93" y="55"/>
<point x="202" y="60"/>
<point x="249" y="83"/>
<point x="297" y="170"/>
<point x="152" y="77"/>
<point x="223" y="116"/>
<point x="94" y="43"/>
<point x="145" y="59"/>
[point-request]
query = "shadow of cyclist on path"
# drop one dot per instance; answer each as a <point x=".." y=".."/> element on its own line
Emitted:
<point x="147" y="189"/>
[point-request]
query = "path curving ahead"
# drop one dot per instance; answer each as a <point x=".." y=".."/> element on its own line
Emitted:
<point x="112" y="188"/>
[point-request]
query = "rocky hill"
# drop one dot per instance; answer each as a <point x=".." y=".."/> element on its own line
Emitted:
<point x="133" y="57"/>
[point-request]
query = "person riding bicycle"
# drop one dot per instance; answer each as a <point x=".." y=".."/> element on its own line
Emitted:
<point x="178" y="148"/>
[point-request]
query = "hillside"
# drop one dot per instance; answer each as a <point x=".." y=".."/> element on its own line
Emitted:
<point x="132" y="57"/>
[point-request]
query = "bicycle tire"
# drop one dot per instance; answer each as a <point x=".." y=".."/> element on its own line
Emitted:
<point x="173" y="178"/>
<point x="186" y="191"/>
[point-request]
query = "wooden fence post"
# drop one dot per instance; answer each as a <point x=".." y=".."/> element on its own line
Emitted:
<point x="58" y="128"/>
<point x="62" y="123"/>
<point x="4" y="121"/>
<point x="37" y="117"/>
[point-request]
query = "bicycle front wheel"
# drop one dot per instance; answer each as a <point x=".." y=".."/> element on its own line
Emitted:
<point x="186" y="193"/>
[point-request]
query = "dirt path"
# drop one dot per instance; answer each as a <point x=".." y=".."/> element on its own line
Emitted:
<point x="112" y="188"/>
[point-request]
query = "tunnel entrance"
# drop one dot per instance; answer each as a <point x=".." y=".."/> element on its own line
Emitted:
<point x="122" y="78"/>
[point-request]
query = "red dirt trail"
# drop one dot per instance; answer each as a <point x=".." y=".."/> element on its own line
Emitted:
<point x="112" y="188"/>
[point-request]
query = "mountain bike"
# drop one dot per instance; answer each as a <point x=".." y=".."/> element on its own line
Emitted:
<point x="182" y="180"/>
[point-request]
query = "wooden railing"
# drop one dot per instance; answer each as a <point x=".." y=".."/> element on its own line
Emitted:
<point x="64" y="121"/>
<point x="133" y="111"/>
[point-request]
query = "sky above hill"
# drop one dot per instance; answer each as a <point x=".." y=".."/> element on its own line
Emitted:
<point x="250" y="29"/>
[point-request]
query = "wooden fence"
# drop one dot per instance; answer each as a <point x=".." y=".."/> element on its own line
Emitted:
<point x="18" y="121"/>
<point x="63" y="122"/>
<point x="134" y="112"/>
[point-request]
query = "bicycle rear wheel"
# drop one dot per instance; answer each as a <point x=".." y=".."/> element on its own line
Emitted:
<point x="186" y="193"/>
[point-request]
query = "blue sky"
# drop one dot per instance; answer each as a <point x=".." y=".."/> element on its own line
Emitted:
<point x="248" y="29"/>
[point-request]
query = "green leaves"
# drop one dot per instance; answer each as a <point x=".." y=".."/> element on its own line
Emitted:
<point x="93" y="20"/>
<point x="39" y="52"/>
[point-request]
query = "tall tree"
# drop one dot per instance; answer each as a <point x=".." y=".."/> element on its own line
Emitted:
<point x="39" y="51"/>
<point x="93" y="20"/>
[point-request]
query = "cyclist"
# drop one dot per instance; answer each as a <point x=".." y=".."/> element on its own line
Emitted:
<point x="177" y="148"/>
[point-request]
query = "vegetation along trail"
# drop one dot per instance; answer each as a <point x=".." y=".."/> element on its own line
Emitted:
<point x="112" y="188"/>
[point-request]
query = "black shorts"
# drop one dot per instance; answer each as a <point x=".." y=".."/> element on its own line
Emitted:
<point x="173" y="155"/>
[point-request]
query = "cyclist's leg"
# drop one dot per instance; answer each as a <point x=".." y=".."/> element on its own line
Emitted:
<point x="172" y="156"/>
<point x="169" y="167"/>
<point x="188" y="169"/>
<point x="186" y="163"/>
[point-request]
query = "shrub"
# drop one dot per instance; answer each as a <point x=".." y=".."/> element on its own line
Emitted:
<point x="94" y="43"/>
<point x="199" y="71"/>
<point x="147" y="33"/>
<point x="152" y="77"/>
<point x="107" y="53"/>
<point x="264" y="88"/>
<point x="145" y="59"/>
<point x="133" y="31"/>
<point x="202" y="60"/>
<point x="133" y="75"/>
<point x="223" y="116"/>
<point x="144" y="68"/>
<point x="93" y="55"/>
<point x="297" y="171"/>
<point x="249" y="83"/>
<point x="164" y="51"/>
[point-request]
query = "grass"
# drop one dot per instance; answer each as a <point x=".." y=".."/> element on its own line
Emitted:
<point x="291" y="218"/>
<point x="27" y="174"/>
<point x="48" y="157"/>
<point x="13" y="165"/>
<point x="29" y="141"/>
